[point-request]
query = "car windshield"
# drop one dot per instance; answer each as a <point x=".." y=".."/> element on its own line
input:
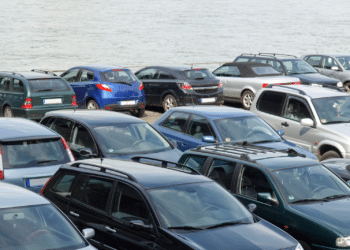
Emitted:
<point x="198" y="205"/>
<point x="118" y="76"/>
<point x="334" y="109"/>
<point x="39" y="227"/>
<point x="261" y="70"/>
<point x="33" y="153"/>
<point x="298" y="67"/>
<point x="50" y="84"/>
<point x="344" y="61"/>
<point x="310" y="183"/>
<point x="252" y="129"/>
<point x="198" y="74"/>
<point x="128" y="138"/>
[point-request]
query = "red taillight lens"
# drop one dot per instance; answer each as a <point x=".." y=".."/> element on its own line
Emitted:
<point x="108" y="108"/>
<point x="186" y="85"/>
<point x="104" y="87"/>
<point x="265" y="85"/>
<point x="74" y="100"/>
<point x="220" y="85"/>
<point x="42" y="190"/>
<point x="1" y="168"/>
<point x="197" y="69"/>
<point x="297" y="83"/>
<point x="27" y="104"/>
<point x="141" y="86"/>
<point x="117" y="69"/>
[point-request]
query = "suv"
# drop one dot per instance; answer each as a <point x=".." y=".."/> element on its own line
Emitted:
<point x="314" y="118"/>
<point x="332" y="65"/>
<point x="292" y="66"/>
<point x="297" y="194"/>
<point x="134" y="205"/>
<point x="32" y="94"/>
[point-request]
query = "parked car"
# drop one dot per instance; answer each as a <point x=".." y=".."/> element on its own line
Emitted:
<point x="32" y="94"/>
<point x="134" y="205"/>
<point x="99" y="133"/>
<point x="241" y="81"/>
<point x="332" y="65"/>
<point x="174" y="86"/>
<point x="107" y="87"/>
<point x="29" y="221"/>
<point x="292" y="66"/>
<point x="30" y="153"/>
<point x="198" y="125"/>
<point x="297" y="194"/>
<point x="314" y="118"/>
<point x="339" y="166"/>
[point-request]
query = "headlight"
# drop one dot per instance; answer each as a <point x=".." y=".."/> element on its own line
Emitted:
<point x="339" y="84"/>
<point x="343" y="242"/>
<point x="299" y="247"/>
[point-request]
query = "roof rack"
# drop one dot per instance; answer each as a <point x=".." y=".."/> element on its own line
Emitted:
<point x="270" y="86"/>
<point x="164" y="163"/>
<point x="276" y="54"/>
<point x="13" y="73"/>
<point x="302" y="92"/>
<point x="44" y="72"/>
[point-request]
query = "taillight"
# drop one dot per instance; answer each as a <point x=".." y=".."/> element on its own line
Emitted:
<point x="27" y="104"/>
<point x="65" y="144"/>
<point x="117" y="69"/>
<point x="42" y="190"/>
<point x="141" y="86"/>
<point x="196" y="69"/>
<point x="1" y="167"/>
<point x="74" y="100"/>
<point x="220" y="85"/>
<point x="265" y="85"/>
<point x="297" y="83"/>
<point x="104" y="87"/>
<point x="108" y="107"/>
<point x="186" y="85"/>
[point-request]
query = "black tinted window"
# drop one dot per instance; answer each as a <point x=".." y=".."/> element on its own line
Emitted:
<point x="164" y="75"/>
<point x="118" y="76"/>
<point x="176" y="121"/>
<point x="52" y="84"/>
<point x="229" y="71"/>
<point x="222" y="172"/>
<point x="271" y="102"/>
<point x="18" y="86"/>
<point x="198" y="74"/>
<point x="199" y="127"/>
<point x="146" y="74"/>
<point x="314" y="60"/>
<point x="63" y="185"/>
<point x="86" y="76"/>
<point x="63" y="127"/>
<point x="5" y="84"/>
<point x="195" y="161"/>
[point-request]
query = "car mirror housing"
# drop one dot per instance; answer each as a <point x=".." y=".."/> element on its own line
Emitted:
<point x="88" y="233"/>
<point x="140" y="225"/>
<point x="280" y="132"/>
<point x="87" y="152"/>
<point x="348" y="182"/>
<point x="174" y="143"/>
<point x="336" y="68"/>
<point x="208" y="139"/>
<point x="267" y="198"/>
<point x="251" y="207"/>
<point x="307" y="122"/>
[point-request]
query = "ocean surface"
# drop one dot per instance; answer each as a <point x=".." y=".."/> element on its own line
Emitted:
<point x="57" y="35"/>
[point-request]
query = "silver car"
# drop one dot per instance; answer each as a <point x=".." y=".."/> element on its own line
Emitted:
<point x="332" y="65"/>
<point x="242" y="80"/>
<point x="30" y="222"/>
<point x="315" y="118"/>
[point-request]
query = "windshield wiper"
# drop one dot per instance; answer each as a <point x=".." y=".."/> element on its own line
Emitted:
<point x="337" y="196"/>
<point x="45" y="161"/>
<point x="228" y="223"/>
<point x="262" y="141"/>
<point x="123" y="83"/>
<point x="306" y="200"/>
<point x="44" y="90"/>
<point x="186" y="228"/>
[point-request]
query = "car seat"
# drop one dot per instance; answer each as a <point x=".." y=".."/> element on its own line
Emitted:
<point x="247" y="187"/>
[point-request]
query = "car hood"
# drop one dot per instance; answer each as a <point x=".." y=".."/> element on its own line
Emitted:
<point x="315" y="78"/>
<point x="342" y="129"/>
<point x="172" y="155"/>
<point x="334" y="214"/>
<point x="260" y="235"/>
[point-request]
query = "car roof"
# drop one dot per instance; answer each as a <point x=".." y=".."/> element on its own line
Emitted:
<point x="326" y="54"/>
<point x="16" y="196"/>
<point x="95" y="117"/>
<point x="177" y="67"/>
<point x="14" y="129"/>
<point x="147" y="175"/>
<point x="101" y="67"/>
<point x="29" y="75"/>
<point x="247" y="71"/>
<point x="270" y="56"/>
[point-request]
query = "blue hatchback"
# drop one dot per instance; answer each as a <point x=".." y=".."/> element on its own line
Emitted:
<point x="107" y="87"/>
<point x="199" y="125"/>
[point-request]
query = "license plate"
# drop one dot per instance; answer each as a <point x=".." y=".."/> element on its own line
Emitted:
<point x="206" y="100"/>
<point x="128" y="102"/>
<point x="53" y="101"/>
<point x="37" y="182"/>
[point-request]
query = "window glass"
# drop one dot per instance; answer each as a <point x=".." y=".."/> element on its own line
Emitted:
<point x="298" y="67"/>
<point x="81" y="139"/>
<point x="128" y="205"/>
<point x="229" y="71"/>
<point x="18" y="86"/>
<point x="265" y="71"/>
<point x="5" y="84"/>
<point x="222" y="172"/>
<point x="329" y="62"/>
<point x="296" y="110"/>
<point x="63" y="186"/>
<point x="314" y="60"/>
<point x="271" y="102"/>
<point x="199" y="127"/>
<point x="51" y="84"/>
<point x="63" y="127"/>
<point x="334" y="109"/>
<point x="164" y="75"/>
<point x="259" y="60"/>
<point x="198" y="74"/>
<point x="242" y="59"/>
<point x="276" y="65"/>
<point x="118" y="76"/>
<point x="86" y="76"/>
<point x="71" y="75"/>
<point x="344" y="61"/>
<point x="176" y="121"/>
<point x="195" y="162"/>
<point x="146" y="74"/>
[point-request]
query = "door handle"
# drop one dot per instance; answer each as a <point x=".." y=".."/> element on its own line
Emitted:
<point x="74" y="214"/>
<point x="110" y="230"/>
<point x="285" y="124"/>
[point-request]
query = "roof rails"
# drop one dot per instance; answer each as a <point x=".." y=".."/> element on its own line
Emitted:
<point x="274" y="55"/>
<point x="44" y="72"/>
<point x="270" y="86"/>
<point x="13" y="73"/>
<point x="302" y="92"/>
<point x="164" y="163"/>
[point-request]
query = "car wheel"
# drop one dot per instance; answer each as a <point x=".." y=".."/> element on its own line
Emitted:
<point x="92" y="105"/>
<point x="138" y="112"/>
<point x="347" y="87"/>
<point x="169" y="102"/>
<point x="8" y="112"/>
<point x="304" y="245"/>
<point x="247" y="99"/>
<point x="330" y="154"/>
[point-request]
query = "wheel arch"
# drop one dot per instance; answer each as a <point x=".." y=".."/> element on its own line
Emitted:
<point x="328" y="147"/>
<point x="248" y="88"/>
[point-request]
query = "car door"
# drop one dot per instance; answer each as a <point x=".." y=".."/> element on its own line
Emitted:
<point x="85" y="84"/>
<point x="82" y="140"/>
<point x="4" y="90"/>
<point x="326" y="67"/>
<point x="232" y="82"/>
<point x="147" y="76"/>
<point x="18" y="95"/>
<point x="165" y="82"/>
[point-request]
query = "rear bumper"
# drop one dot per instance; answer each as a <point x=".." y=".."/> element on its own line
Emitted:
<point x="138" y="105"/>
<point x="38" y="113"/>
<point x="189" y="100"/>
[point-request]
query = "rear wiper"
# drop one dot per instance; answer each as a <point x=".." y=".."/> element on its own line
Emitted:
<point x="44" y="90"/>
<point x="45" y="161"/>
<point x="229" y="223"/>
<point x="186" y="228"/>
<point x="306" y="200"/>
<point x="337" y="196"/>
<point x="123" y="83"/>
<point x="199" y="78"/>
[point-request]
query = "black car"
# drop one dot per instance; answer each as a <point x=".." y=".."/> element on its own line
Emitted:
<point x="174" y="86"/>
<point x="292" y="66"/>
<point x="133" y="205"/>
<point x="340" y="166"/>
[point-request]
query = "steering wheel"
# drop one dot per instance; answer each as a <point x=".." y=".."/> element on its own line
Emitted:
<point x="37" y="233"/>
<point x="319" y="188"/>
<point x="254" y="132"/>
<point x="136" y="143"/>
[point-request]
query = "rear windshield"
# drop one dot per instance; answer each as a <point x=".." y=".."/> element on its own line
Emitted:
<point x="50" y="84"/>
<point x="118" y="76"/>
<point x="33" y="153"/>
<point x="265" y="71"/>
<point x="199" y="74"/>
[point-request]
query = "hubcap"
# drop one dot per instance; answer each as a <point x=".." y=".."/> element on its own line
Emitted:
<point x="347" y="87"/>
<point x="91" y="105"/>
<point x="169" y="103"/>
<point x="8" y="113"/>
<point x="247" y="100"/>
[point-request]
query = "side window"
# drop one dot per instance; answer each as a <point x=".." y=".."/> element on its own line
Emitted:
<point x="63" y="127"/>
<point x="314" y="61"/>
<point x="18" y="86"/>
<point x="195" y="162"/>
<point x="5" y="84"/>
<point x="128" y="205"/>
<point x="64" y="184"/>
<point x="47" y="122"/>
<point x="86" y="76"/>
<point x="329" y="62"/>
<point x="242" y="59"/>
<point x="164" y="75"/>
<point x="199" y="127"/>
<point x="229" y="71"/>
<point x="176" y="121"/>
<point x="70" y="76"/>
<point x="276" y="65"/>
<point x="296" y="110"/>
<point x="146" y="74"/>
<point x="81" y="139"/>
<point x="222" y="172"/>
<point x="259" y="60"/>
<point x="271" y="102"/>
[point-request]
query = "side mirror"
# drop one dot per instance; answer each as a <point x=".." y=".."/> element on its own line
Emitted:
<point x="336" y="68"/>
<point x="140" y="225"/>
<point x="174" y="143"/>
<point x="87" y="153"/>
<point x="280" y="132"/>
<point x="348" y="182"/>
<point x="251" y="207"/>
<point x="307" y="122"/>
<point x="88" y="233"/>
<point x="208" y="139"/>
<point x="267" y="198"/>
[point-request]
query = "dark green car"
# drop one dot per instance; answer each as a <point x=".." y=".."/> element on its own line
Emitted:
<point x="297" y="194"/>
<point x="32" y="94"/>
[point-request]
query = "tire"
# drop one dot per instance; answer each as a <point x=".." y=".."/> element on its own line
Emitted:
<point x="330" y="154"/>
<point x="8" y="112"/>
<point x="247" y="99"/>
<point x="347" y="87"/>
<point x="92" y="104"/>
<point x="138" y="112"/>
<point x="304" y="245"/>
<point x="169" y="102"/>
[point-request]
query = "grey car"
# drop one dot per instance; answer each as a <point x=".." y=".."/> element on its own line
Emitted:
<point x="332" y="65"/>
<point x="315" y="118"/>
<point x="30" y="222"/>
<point x="241" y="81"/>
